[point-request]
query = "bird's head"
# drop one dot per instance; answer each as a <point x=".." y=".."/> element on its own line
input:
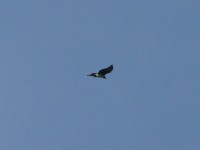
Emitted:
<point x="92" y="74"/>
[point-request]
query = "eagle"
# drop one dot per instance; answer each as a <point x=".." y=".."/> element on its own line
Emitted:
<point x="102" y="72"/>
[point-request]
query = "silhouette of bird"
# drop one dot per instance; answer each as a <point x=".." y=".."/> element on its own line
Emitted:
<point x="102" y="72"/>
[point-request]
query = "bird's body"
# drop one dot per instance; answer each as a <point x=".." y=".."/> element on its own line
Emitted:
<point x="102" y="72"/>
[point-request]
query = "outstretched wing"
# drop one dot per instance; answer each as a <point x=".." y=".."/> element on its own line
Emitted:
<point x="106" y="70"/>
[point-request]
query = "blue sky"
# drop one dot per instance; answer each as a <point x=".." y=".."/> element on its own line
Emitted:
<point x="150" y="101"/>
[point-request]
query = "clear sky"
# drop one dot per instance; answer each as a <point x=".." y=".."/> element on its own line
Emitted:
<point x="151" y="100"/>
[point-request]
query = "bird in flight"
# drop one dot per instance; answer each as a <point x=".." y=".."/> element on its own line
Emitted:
<point x="102" y="72"/>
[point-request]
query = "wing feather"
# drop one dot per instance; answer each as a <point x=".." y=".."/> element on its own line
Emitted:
<point x="106" y="70"/>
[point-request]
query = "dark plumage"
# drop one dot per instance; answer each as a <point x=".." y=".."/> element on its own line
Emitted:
<point x="102" y="72"/>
